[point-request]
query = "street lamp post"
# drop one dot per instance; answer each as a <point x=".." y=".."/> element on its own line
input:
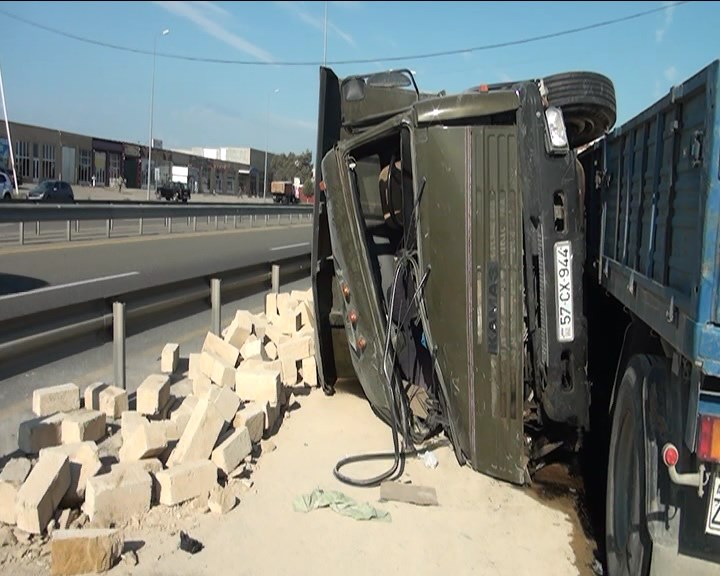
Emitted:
<point x="152" y="106"/>
<point x="267" y="143"/>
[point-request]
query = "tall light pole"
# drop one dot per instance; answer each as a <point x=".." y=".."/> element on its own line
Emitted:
<point x="152" y="106"/>
<point x="267" y="143"/>
<point x="325" y="37"/>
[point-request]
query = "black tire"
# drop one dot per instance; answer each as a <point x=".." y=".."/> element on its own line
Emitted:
<point x="628" y="543"/>
<point x="7" y="197"/>
<point x="588" y="103"/>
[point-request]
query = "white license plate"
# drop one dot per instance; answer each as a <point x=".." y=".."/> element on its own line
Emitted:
<point x="712" y="526"/>
<point x="564" y="292"/>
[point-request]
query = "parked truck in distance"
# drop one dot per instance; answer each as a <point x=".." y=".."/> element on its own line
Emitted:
<point x="480" y="277"/>
<point x="283" y="192"/>
<point x="173" y="191"/>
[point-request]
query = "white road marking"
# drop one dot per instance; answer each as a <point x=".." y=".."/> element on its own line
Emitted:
<point x="290" y="246"/>
<point x="70" y="285"/>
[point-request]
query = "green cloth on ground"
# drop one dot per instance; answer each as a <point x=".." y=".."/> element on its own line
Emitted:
<point x="340" y="503"/>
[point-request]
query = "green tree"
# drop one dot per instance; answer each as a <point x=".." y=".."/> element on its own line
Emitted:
<point x="288" y="166"/>
<point x="309" y="187"/>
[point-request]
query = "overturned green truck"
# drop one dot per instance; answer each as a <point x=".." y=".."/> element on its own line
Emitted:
<point x="454" y="276"/>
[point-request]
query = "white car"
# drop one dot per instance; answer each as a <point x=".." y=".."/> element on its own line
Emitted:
<point x="6" y="187"/>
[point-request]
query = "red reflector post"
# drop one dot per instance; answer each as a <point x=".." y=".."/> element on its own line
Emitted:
<point x="709" y="440"/>
<point x="670" y="455"/>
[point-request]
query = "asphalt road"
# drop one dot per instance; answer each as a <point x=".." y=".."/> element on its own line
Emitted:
<point x="38" y="278"/>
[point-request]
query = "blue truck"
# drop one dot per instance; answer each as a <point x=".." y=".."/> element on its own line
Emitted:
<point x="652" y="205"/>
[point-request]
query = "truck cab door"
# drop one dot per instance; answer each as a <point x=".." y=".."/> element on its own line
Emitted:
<point x="469" y="234"/>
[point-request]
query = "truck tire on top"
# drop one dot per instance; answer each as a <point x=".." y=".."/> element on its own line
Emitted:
<point x="628" y="543"/>
<point x="587" y="100"/>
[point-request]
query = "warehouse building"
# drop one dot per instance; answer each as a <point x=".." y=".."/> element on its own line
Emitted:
<point x="45" y="153"/>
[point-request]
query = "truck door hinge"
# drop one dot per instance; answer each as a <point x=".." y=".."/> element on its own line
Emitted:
<point x="670" y="314"/>
<point x="696" y="149"/>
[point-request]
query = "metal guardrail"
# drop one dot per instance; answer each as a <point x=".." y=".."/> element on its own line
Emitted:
<point x="22" y="213"/>
<point x="24" y="335"/>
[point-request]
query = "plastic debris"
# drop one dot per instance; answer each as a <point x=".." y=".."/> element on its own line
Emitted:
<point x="429" y="459"/>
<point x="188" y="544"/>
<point x="340" y="503"/>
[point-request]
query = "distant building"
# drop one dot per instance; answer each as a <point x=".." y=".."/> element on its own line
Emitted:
<point x="46" y="153"/>
<point x="251" y="173"/>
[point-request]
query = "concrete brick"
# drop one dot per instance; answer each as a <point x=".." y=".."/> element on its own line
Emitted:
<point x="83" y="425"/>
<point x="273" y="333"/>
<point x="271" y="305"/>
<point x="271" y="365"/>
<point x="284" y="303"/>
<point x="113" y="401"/>
<point x="40" y="494"/>
<point x="309" y="332"/>
<point x="221" y="349"/>
<point x="200" y="435"/>
<point x="252" y="417"/>
<point x="118" y="496"/>
<point x="146" y="441"/>
<point x="39" y="433"/>
<point x="225" y="401"/>
<point x="153" y="394"/>
<point x="296" y="349"/>
<point x="182" y="411"/>
<point x="223" y="374"/>
<point x="289" y="322"/>
<point x="301" y="295"/>
<point x="258" y="385"/>
<point x="194" y="365"/>
<point x="309" y="370"/>
<point x="289" y="371"/>
<point x="253" y="348"/>
<point x="201" y="386"/>
<point x="150" y="465"/>
<point x="186" y="481"/>
<point x="81" y="551"/>
<point x="91" y="395"/>
<point x="129" y="421"/>
<point x="12" y="477"/>
<point x="233" y="450"/>
<point x="221" y="500"/>
<point x="240" y="328"/>
<point x="63" y="398"/>
<point x="307" y="317"/>
<point x="252" y="364"/>
<point x="206" y="362"/>
<point x="271" y="350"/>
<point x="84" y="464"/>
<point x="169" y="358"/>
<point x="259" y="327"/>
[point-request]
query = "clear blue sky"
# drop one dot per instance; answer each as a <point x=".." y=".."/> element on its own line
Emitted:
<point x="61" y="83"/>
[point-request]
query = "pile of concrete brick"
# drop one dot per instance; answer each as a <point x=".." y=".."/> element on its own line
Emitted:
<point x="171" y="449"/>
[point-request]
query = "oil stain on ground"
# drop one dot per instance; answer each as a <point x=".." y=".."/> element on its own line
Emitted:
<point x="557" y="485"/>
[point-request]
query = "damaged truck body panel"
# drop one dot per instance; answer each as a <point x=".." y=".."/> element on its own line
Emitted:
<point x="459" y="210"/>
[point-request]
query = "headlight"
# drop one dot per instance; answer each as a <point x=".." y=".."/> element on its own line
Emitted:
<point x="556" y="129"/>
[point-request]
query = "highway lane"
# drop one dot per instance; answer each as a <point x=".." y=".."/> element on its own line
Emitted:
<point x="38" y="278"/>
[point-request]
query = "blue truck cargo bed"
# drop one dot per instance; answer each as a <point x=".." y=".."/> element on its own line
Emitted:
<point x="653" y="239"/>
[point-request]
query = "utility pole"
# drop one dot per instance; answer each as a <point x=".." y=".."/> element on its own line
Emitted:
<point x="7" y="130"/>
